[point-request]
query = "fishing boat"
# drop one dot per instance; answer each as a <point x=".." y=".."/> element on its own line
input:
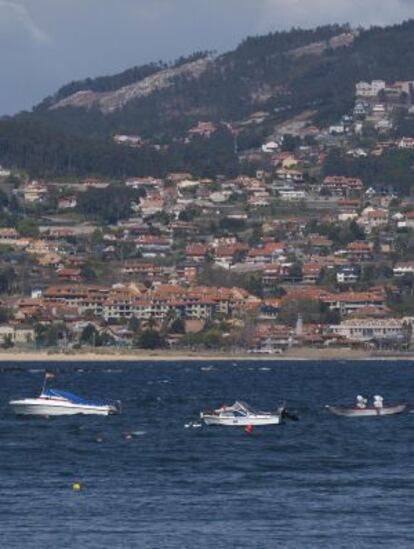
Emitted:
<point x="368" y="411"/>
<point x="362" y="410"/>
<point x="54" y="402"/>
<point x="241" y="414"/>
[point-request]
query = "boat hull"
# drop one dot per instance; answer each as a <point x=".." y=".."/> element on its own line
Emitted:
<point x="367" y="412"/>
<point x="241" y="421"/>
<point x="32" y="407"/>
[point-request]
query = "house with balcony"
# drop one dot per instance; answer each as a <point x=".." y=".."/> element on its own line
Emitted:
<point x="373" y="218"/>
<point x="338" y="185"/>
<point x="152" y="245"/>
<point x="367" y="330"/>
<point x="350" y="302"/>
<point x="348" y="275"/>
<point x="402" y="268"/>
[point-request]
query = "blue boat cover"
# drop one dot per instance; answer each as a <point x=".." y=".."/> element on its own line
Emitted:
<point x="57" y="393"/>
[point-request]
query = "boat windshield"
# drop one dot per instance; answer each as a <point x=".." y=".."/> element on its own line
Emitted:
<point x="247" y="408"/>
<point x="240" y="408"/>
<point x="71" y="397"/>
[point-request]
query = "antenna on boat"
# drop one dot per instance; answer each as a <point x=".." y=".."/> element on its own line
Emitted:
<point x="48" y="375"/>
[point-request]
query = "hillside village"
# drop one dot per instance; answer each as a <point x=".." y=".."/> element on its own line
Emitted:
<point x="295" y="252"/>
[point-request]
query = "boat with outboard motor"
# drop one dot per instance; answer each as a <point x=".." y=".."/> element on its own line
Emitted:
<point x="54" y="402"/>
<point x="362" y="410"/>
<point x="241" y="414"/>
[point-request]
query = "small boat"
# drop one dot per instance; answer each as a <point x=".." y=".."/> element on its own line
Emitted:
<point x="368" y="411"/>
<point x="241" y="414"/>
<point x="54" y="402"/>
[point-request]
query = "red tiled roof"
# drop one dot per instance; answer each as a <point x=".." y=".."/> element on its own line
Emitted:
<point x="68" y="272"/>
<point x="197" y="249"/>
<point x="342" y="181"/>
<point x="350" y="297"/>
<point x="359" y="245"/>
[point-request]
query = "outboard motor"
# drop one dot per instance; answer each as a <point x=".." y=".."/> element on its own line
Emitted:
<point x="286" y="414"/>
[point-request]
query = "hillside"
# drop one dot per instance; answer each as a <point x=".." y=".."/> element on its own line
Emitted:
<point x="281" y="75"/>
<point x="260" y="73"/>
<point x="116" y="99"/>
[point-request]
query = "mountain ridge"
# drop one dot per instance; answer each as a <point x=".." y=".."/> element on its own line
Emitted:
<point x="282" y="74"/>
<point x="110" y="101"/>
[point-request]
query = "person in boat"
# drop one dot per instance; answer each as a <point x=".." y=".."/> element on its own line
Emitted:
<point x="361" y="402"/>
<point x="378" y="401"/>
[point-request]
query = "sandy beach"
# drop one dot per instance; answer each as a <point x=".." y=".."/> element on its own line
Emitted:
<point x="106" y="355"/>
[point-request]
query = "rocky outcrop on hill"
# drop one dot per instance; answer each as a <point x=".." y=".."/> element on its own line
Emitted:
<point x="342" y="40"/>
<point x="112" y="101"/>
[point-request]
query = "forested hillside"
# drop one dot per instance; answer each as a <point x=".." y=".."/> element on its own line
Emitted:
<point x="43" y="152"/>
<point x="282" y="74"/>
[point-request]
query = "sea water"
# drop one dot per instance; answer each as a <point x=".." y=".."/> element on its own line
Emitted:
<point x="153" y="478"/>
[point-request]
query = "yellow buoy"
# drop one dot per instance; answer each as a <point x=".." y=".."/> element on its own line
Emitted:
<point x="77" y="487"/>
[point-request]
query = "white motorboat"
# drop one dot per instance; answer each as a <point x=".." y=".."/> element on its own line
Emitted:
<point x="53" y="402"/>
<point x="241" y="414"/>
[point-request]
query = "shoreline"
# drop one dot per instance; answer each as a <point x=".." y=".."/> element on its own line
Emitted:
<point x="181" y="356"/>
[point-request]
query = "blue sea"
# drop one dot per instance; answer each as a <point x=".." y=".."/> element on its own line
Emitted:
<point x="321" y="482"/>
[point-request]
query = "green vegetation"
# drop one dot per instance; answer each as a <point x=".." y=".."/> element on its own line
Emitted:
<point x="48" y="335"/>
<point x="339" y="234"/>
<point x="108" y="205"/>
<point x="5" y="315"/>
<point x="7" y="342"/>
<point x="27" y="227"/>
<point x="393" y="169"/>
<point x="76" y="141"/>
<point x="151" y="339"/>
<point x="311" y="311"/>
<point x="7" y="280"/>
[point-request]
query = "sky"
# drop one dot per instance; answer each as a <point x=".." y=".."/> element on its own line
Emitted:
<point x="47" y="43"/>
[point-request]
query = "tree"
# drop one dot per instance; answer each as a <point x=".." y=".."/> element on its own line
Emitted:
<point x="5" y="315"/>
<point x="367" y="275"/>
<point x="90" y="336"/>
<point x="4" y="199"/>
<point x="177" y="326"/>
<point x="296" y="271"/>
<point x="327" y="278"/>
<point x="88" y="273"/>
<point x="239" y="256"/>
<point x="151" y="339"/>
<point x="27" y="227"/>
<point x="406" y="282"/>
<point x="47" y="335"/>
<point x="277" y="291"/>
<point x="254" y="284"/>
<point x="127" y="249"/>
<point x="189" y="213"/>
<point x="7" y="279"/>
<point x="212" y="339"/>
<point x="97" y="238"/>
<point x="257" y="234"/>
<point x="309" y="310"/>
<point x="291" y="142"/>
<point x="110" y="204"/>
<point x="7" y="342"/>
<point x="134" y="324"/>
<point x="151" y="322"/>
<point x="14" y="180"/>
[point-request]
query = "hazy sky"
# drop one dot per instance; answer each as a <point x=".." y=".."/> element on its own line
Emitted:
<point x="47" y="43"/>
